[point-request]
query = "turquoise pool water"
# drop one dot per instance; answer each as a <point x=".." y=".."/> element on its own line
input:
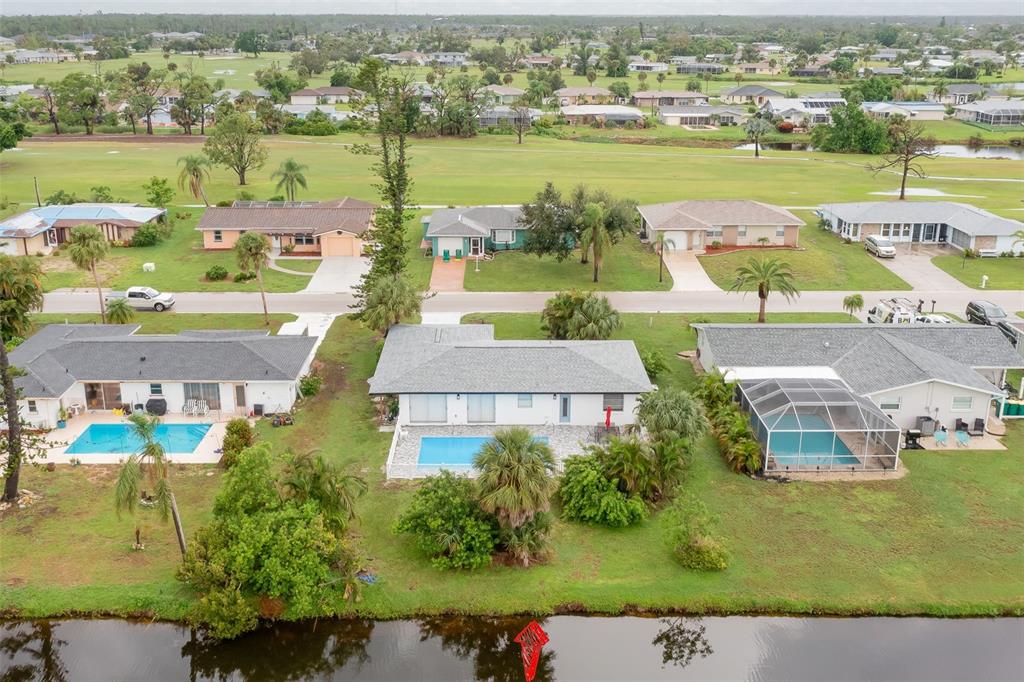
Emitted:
<point x="118" y="438"/>
<point x="814" y="450"/>
<point x="452" y="450"/>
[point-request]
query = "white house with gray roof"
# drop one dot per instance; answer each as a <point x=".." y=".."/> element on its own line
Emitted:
<point x="106" y="367"/>
<point x="473" y="230"/>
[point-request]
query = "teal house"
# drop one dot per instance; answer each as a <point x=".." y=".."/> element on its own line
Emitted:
<point x="473" y="231"/>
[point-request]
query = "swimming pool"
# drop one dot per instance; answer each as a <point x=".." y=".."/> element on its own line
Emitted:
<point x="119" y="438"/>
<point x="815" y="450"/>
<point x="456" y="451"/>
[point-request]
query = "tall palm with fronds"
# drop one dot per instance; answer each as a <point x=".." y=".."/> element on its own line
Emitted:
<point x="713" y="390"/>
<point x="195" y="171"/>
<point x="940" y="90"/>
<point x="593" y="320"/>
<point x="119" y="312"/>
<point x="309" y="477"/>
<point x="765" y="275"/>
<point x="631" y="462"/>
<point x="389" y="301"/>
<point x="252" y="251"/>
<point x="853" y="303"/>
<point x="755" y="129"/>
<point x="516" y="476"/>
<point x="149" y="463"/>
<point x="1018" y="237"/>
<point x="87" y="247"/>
<point x="595" y="236"/>
<point x="670" y="414"/>
<point x="290" y="175"/>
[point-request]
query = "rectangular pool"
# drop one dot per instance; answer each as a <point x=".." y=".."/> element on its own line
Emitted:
<point x="119" y="439"/>
<point x="452" y="450"/>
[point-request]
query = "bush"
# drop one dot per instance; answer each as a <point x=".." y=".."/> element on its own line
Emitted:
<point x="589" y="497"/>
<point x="225" y="203"/>
<point x="448" y="524"/>
<point x="146" y="235"/>
<point x="237" y="437"/>
<point x="693" y="544"/>
<point x="288" y="248"/>
<point x="785" y="127"/>
<point x="654" y="363"/>
<point x="309" y="384"/>
<point x="716" y="244"/>
<point x="217" y="273"/>
<point x="244" y="276"/>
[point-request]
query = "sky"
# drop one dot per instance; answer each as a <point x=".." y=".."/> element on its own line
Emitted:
<point x="542" y="7"/>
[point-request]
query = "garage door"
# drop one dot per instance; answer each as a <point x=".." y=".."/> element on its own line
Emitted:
<point x="675" y="241"/>
<point x="339" y="245"/>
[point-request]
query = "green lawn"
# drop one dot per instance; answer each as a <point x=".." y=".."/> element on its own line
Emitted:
<point x="300" y="264"/>
<point x="170" y="322"/>
<point x="825" y="263"/>
<point x="630" y="266"/>
<point x="1003" y="273"/>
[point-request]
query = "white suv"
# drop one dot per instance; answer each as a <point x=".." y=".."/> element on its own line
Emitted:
<point x="880" y="246"/>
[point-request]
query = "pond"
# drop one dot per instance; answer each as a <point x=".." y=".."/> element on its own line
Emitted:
<point x="958" y="151"/>
<point x="467" y="648"/>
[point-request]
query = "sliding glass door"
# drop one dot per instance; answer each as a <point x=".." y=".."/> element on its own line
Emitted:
<point x="102" y="396"/>
<point x="208" y="392"/>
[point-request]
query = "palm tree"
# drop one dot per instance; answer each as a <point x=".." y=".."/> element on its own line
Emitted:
<point x="195" y="170"/>
<point x="766" y="275"/>
<point x="660" y="242"/>
<point x="309" y="477"/>
<point x="940" y="90"/>
<point x="86" y="248"/>
<point x="291" y="177"/>
<point x="757" y="127"/>
<point x="595" y="236"/>
<point x="854" y="303"/>
<point x="1018" y="237"/>
<point x="630" y="461"/>
<point x="119" y="312"/>
<point x="593" y="320"/>
<point x="670" y="414"/>
<point x="389" y="301"/>
<point x="516" y="476"/>
<point x="151" y="462"/>
<point x="713" y="390"/>
<point x="252" y="251"/>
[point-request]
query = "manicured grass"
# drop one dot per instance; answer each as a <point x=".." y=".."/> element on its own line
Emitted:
<point x="299" y="264"/>
<point x="825" y="263"/>
<point x="418" y="267"/>
<point x="629" y="266"/>
<point x="170" y="322"/>
<point x="1003" y="273"/>
<point x="953" y="131"/>
<point x="948" y="539"/>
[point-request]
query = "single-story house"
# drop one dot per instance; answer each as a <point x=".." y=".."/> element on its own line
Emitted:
<point x="693" y="224"/>
<point x="450" y="59"/>
<point x="749" y="94"/>
<point x="106" y="367"/>
<point x="809" y="109"/>
<point x="473" y="230"/>
<point x="915" y="111"/>
<point x="959" y="93"/>
<point x="234" y="94"/>
<point x="301" y="111"/>
<point x="604" y="114"/>
<point x="944" y="372"/>
<point x="993" y="112"/>
<point x="41" y="230"/>
<point x="810" y="72"/>
<point x="404" y="57"/>
<point x="504" y="94"/>
<point x="880" y="71"/>
<point x="889" y="54"/>
<point x="759" y="68"/>
<point x="583" y="95"/>
<point x="934" y="222"/>
<point x="536" y="61"/>
<point x="707" y="115"/>
<point x="505" y="115"/>
<point x="644" y="66"/>
<point x="330" y="228"/>
<point x="701" y="68"/>
<point x="325" y="95"/>
<point x="667" y="98"/>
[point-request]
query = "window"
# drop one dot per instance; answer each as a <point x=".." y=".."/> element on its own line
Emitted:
<point x="780" y="231"/>
<point x="209" y="393"/>
<point x="428" y="407"/>
<point x="32" y="407"/>
<point x="614" y="401"/>
<point x="504" y="236"/>
<point x="891" y="403"/>
<point x="480" y="408"/>
<point x="524" y="400"/>
<point x="306" y="239"/>
<point x="218" y="236"/>
<point x="715" y="232"/>
<point x="156" y="389"/>
<point x="742" y="230"/>
<point x="962" y="403"/>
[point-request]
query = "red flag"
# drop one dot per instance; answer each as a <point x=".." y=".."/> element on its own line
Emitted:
<point x="532" y="639"/>
<point x="608" y="417"/>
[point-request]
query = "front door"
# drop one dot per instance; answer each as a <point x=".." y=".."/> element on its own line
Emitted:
<point x="476" y="246"/>
<point x="564" y="408"/>
<point x="240" y="398"/>
<point x="929" y="233"/>
<point x="275" y="241"/>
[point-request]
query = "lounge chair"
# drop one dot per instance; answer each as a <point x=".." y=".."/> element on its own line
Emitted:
<point x="941" y="437"/>
<point x="963" y="439"/>
<point x="979" y="428"/>
<point x="189" y="408"/>
<point x="202" y="408"/>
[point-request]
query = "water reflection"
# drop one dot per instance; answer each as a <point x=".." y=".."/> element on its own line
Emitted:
<point x="37" y="650"/>
<point x="681" y="639"/>
<point x="488" y="643"/>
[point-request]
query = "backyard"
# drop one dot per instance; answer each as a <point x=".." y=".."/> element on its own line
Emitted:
<point x="1003" y="273"/>
<point x="956" y="550"/>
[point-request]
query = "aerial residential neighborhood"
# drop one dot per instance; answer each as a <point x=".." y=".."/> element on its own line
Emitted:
<point x="388" y="346"/>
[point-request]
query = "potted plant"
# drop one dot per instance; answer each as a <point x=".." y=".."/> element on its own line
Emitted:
<point x="62" y="418"/>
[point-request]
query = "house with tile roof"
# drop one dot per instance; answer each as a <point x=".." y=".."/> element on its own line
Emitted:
<point x="473" y="230"/>
<point x="325" y="95"/>
<point x="42" y="229"/>
<point x="692" y="225"/>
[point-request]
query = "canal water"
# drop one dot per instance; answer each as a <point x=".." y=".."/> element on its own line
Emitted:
<point x="956" y="151"/>
<point x="474" y="648"/>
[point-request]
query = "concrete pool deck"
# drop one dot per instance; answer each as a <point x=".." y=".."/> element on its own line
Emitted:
<point x="60" y="439"/>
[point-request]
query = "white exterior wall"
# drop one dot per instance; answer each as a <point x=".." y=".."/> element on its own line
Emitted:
<point x="1007" y="244"/>
<point x="934" y="399"/>
<point x="45" y="416"/>
<point x="585" y="409"/>
<point x="275" y="396"/>
<point x="304" y="99"/>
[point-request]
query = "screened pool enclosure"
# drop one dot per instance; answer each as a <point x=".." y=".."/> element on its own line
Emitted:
<point x="818" y="425"/>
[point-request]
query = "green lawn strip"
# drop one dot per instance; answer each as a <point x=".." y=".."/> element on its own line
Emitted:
<point x="170" y="322"/>
<point x="628" y="266"/>
<point x="299" y="264"/>
<point x="825" y="263"/>
<point x="1003" y="273"/>
<point x="418" y="267"/>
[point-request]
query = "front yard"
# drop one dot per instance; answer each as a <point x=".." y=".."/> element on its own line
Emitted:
<point x="1003" y="273"/>
<point x="947" y="539"/>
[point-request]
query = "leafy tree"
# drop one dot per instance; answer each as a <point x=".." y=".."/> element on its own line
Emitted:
<point x="101" y="194"/>
<point x="290" y="175"/>
<point x="620" y="89"/>
<point x="690" y="533"/>
<point x="873" y="89"/>
<point x="765" y="275"/>
<point x="87" y="247"/>
<point x="851" y="131"/>
<point x="448" y="523"/>
<point x="79" y="100"/>
<point x="21" y="293"/>
<point x="756" y="128"/>
<point x="279" y="83"/>
<point x="908" y="142"/>
<point x="252" y="252"/>
<point x="854" y="303"/>
<point x="516" y="476"/>
<point x="671" y="414"/>
<point x="588" y="496"/>
<point x="523" y="120"/>
<point x="549" y="224"/>
<point x="235" y="143"/>
<point x="195" y="171"/>
<point x="341" y="76"/>
<point x="49" y="104"/>
<point x="119" y="312"/>
<point x="158" y="191"/>
<point x="61" y="198"/>
<point x="593" y="319"/>
<point x="150" y="462"/>
<point x="654" y="363"/>
<point x="252" y="42"/>
<point x="595" y="237"/>
<point x="308" y="477"/>
<point x="140" y="84"/>
<point x="558" y="310"/>
<point x="389" y="301"/>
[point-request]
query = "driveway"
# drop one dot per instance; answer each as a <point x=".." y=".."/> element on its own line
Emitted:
<point x="913" y="263"/>
<point x="687" y="272"/>
<point x="337" y="275"/>
<point x="447" y="276"/>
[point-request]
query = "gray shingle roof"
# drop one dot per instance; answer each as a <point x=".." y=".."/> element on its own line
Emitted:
<point x="752" y="91"/>
<point x="467" y="359"/>
<point x="473" y="221"/>
<point x="964" y="217"/>
<point x="59" y="355"/>
<point x="702" y="214"/>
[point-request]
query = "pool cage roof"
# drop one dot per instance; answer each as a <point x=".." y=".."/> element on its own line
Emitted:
<point x="812" y="405"/>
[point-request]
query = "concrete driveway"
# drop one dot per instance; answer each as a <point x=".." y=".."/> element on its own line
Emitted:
<point x="913" y="263"/>
<point x="337" y="275"/>
<point x="687" y="272"/>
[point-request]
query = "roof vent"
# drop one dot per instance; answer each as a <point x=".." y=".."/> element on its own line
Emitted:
<point x="142" y="359"/>
<point x="827" y="344"/>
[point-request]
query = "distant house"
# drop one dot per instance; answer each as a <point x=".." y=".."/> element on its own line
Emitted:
<point x="329" y="228"/>
<point x="993" y="112"/>
<point x="6" y="42"/>
<point x="234" y="94"/>
<point x="473" y="230"/>
<point x="959" y="93"/>
<point x="664" y="98"/>
<point x="325" y="95"/>
<point x="503" y="115"/>
<point x="758" y="68"/>
<point x="583" y="95"/>
<point x="934" y="222"/>
<point x="888" y="54"/>
<point x="978" y="57"/>
<point x="602" y="114"/>
<point x="749" y="94"/>
<point x="694" y="224"/>
<point x="301" y="111"/>
<point x="881" y="71"/>
<point x="21" y="56"/>
<point x="706" y="115"/>
<point x="648" y="67"/>
<point x="699" y="68"/>
<point x="10" y="93"/>
<point x="917" y="111"/>
<point x="505" y="94"/>
<point x="41" y="230"/>
<point x="804" y="111"/>
<point x="404" y="58"/>
<point x="536" y="61"/>
<point x="449" y="59"/>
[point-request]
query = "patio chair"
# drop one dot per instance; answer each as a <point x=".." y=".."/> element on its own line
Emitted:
<point x="963" y="439"/>
<point x="202" y="408"/>
<point x="961" y="425"/>
<point x="189" y="408"/>
<point x="979" y="428"/>
<point x="941" y="437"/>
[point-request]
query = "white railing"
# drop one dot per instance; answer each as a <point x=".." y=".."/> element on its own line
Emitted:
<point x="391" y="451"/>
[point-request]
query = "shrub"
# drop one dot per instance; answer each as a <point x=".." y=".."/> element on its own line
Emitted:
<point x="146" y="235"/>
<point x="589" y="497"/>
<point x="716" y="244"/>
<point x="288" y="248"/>
<point x="785" y="127"/>
<point x="692" y="542"/>
<point x="237" y="437"/>
<point x="310" y="384"/>
<point x="224" y="203"/>
<point x="671" y="413"/>
<point x="448" y="524"/>
<point x="244" y="276"/>
<point x="217" y="273"/>
<point x="654" y="363"/>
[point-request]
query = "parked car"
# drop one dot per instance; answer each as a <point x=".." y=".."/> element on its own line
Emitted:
<point x="894" y="311"/>
<point x="1014" y="333"/>
<point x="144" y="298"/>
<point x="879" y="246"/>
<point x="933" y="318"/>
<point x="984" y="312"/>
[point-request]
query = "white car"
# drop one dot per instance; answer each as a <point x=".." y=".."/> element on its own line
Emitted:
<point x="933" y="318"/>
<point x="144" y="298"/>
<point x="879" y="246"/>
